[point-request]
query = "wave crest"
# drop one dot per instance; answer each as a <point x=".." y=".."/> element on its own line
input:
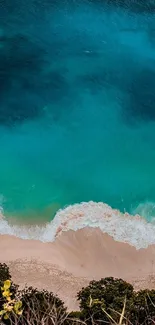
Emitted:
<point x="134" y="230"/>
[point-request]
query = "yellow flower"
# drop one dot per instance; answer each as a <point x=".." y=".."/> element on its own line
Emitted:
<point x="7" y="284"/>
<point x="6" y="293"/>
<point x="17" y="306"/>
<point x="9" y="299"/>
<point x="6" y="316"/>
<point x="9" y="308"/>
<point x="5" y="306"/>
<point x="20" y="312"/>
<point x="2" y="312"/>
<point x="10" y="305"/>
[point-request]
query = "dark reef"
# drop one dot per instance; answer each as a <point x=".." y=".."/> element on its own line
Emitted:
<point x="25" y="86"/>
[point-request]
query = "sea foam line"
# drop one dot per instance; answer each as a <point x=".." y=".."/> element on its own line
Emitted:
<point x="134" y="230"/>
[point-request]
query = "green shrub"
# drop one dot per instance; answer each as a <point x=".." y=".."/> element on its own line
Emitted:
<point x="12" y="307"/>
<point x="75" y="315"/>
<point x="100" y="302"/>
<point x="143" y="311"/>
<point x="4" y="273"/>
<point x="104" y="297"/>
<point x="74" y="318"/>
<point x="107" y="297"/>
<point x="41" y="307"/>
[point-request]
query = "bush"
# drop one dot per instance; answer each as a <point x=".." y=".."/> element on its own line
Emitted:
<point x="4" y="272"/>
<point x="100" y="302"/>
<point x="74" y="317"/>
<point x="104" y="297"/>
<point x="5" y="275"/>
<point x="12" y="307"/>
<point x="41" y="307"/>
<point x="143" y="311"/>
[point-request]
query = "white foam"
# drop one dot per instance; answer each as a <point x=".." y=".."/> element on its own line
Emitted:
<point x="122" y="227"/>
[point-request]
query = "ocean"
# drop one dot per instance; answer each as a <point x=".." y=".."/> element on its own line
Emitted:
<point x="77" y="107"/>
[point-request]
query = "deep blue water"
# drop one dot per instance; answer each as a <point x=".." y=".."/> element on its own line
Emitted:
<point x="77" y="104"/>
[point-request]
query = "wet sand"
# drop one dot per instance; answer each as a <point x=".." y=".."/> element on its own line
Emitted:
<point x="73" y="259"/>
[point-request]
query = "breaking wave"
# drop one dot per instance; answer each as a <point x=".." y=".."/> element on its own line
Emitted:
<point x="127" y="228"/>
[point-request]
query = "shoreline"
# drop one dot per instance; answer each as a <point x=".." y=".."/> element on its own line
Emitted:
<point x="123" y="227"/>
<point x="67" y="264"/>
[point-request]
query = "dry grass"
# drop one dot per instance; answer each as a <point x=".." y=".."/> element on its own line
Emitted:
<point x="54" y="316"/>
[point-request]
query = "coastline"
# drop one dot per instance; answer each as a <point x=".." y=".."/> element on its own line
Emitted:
<point x="67" y="264"/>
<point x="123" y="227"/>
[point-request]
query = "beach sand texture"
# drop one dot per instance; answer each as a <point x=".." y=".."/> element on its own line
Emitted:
<point x="73" y="259"/>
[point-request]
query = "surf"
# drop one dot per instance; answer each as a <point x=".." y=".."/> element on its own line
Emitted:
<point x="123" y="227"/>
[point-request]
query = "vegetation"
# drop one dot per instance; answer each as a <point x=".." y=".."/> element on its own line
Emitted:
<point x="4" y="273"/>
<point x="108" y="301"/>
<point x="11" y="306"/>
<point x="105" y="298"/>
<point x="46" y="307"/>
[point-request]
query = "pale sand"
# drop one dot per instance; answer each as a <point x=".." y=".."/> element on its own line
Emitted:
<point x="76" y="257"/>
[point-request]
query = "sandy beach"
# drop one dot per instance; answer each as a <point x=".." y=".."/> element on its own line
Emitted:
<point x="73" y="259"/>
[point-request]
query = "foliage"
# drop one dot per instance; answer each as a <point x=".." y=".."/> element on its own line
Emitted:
<point x="41" y="306"/>
<point x="110" y="301"/>
<point x="143" y="311"/>
<point x="104" y="297"/>
<point x="104" y="300"/>
<point x="5" y="294"/>
<point x="11" y="306"/>
<point x="75" y="317"/>
<point x="4" y="273"/>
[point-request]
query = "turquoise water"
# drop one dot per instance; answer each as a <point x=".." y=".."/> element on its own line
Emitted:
<point x="77" y="105"/>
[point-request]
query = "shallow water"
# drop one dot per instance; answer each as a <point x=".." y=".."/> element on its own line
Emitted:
<point x="77" y="112"/>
